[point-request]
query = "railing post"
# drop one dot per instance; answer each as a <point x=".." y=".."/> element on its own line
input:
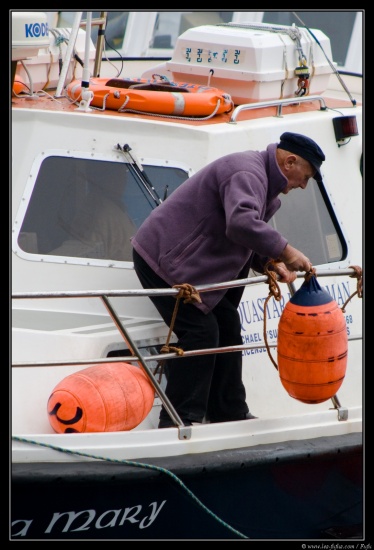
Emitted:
<point x="184" y="431"/>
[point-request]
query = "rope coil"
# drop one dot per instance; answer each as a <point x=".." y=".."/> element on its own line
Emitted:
<point x="275" y="292"/>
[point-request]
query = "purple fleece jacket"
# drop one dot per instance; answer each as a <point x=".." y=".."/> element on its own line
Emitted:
<point x="213" y="228"/>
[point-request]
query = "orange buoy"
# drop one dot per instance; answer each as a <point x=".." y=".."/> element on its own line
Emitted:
<point x="19" y="85"/>
<point x="101" y="398"/>
<point x="312" y="345"/>
<point x="154" y="96"/>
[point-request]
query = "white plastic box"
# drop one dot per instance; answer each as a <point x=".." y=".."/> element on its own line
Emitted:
<point x="252" y="63"/>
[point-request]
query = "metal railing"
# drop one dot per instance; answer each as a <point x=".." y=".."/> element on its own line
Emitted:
<point x="278" y="103"/>
<point x="105" y="295"/>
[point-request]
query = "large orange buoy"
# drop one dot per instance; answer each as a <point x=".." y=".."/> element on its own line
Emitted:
<point x="312" y="344"/>
<point x="101" y="398"/>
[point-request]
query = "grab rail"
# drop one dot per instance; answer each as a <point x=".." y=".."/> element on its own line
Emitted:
<point x="279" y="103"/>
<point x="168" y="291"/>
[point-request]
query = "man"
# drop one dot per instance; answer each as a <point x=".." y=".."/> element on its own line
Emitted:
<point x="212" y="229"/>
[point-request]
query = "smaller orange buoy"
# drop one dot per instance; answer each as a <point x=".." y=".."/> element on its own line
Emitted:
<point x="312" y="344"/>
<point x="19" y="85"/>
<point x="101" y="398"/>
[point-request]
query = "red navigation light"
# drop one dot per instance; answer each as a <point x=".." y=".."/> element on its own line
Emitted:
<point x="345" y="127"/>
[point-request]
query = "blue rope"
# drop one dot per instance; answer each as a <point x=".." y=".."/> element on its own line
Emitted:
<point x="139" y="465"/>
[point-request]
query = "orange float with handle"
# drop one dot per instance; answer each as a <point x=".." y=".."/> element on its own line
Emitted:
<point x="312" y="344"/>
<point x="164" y="97"/>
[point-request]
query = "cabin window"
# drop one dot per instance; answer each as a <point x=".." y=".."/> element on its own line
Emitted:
<point x="89" y="209"/>
<point x="307" y="220"/>
<point x="84" y="208"/>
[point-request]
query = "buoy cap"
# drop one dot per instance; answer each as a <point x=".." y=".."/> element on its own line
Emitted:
<point x="311" y="294"/>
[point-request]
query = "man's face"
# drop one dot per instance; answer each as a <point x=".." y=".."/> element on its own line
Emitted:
<point x="298" y="174"/>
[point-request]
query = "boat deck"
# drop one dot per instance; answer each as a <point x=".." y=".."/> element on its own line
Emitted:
<point x="48" y="102"/>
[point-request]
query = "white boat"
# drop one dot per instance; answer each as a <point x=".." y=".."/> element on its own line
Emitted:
<point x="294" y="472"/>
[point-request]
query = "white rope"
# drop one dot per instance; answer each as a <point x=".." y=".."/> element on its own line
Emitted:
<point x="175" y="116"/>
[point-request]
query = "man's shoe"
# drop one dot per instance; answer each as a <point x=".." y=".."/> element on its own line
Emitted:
<point x="249" y="416"/>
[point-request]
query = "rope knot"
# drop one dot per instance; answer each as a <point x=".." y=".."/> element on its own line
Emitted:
<point x="358" y="275"/>
<point x="188" y="292"/>
<point x="274" y="289"/>
<point x="169" y="349"/>
<point x="310" y="274"/>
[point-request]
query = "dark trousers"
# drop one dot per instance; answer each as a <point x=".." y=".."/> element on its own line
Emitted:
<point x="203" y="386"/>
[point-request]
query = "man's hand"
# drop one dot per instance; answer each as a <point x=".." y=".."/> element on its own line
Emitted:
<point x="295" y="260"/>
<point x="285" y="276"/>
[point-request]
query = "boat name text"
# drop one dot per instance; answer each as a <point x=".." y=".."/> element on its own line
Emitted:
<point x="64" y="522"/>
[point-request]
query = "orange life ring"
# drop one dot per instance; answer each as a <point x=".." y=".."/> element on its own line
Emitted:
<point x="154" y="96"/>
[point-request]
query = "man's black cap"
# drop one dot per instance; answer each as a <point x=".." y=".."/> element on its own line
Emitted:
<point x="305" y="148"/>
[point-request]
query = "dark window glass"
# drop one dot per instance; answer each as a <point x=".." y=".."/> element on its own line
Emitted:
<point x="89" y="208"/>
<point x="307" y="220"/>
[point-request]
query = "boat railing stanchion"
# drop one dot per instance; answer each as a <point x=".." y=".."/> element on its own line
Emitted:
<point x="183" y="431"/>
<point x="342" y="411"/>
<point x="69" y="54"/>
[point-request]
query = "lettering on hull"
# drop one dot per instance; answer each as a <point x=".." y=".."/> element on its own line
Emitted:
<point x="86" y="520"/>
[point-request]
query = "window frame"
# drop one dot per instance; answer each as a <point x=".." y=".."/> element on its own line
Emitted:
<point x="28" y="194"/>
